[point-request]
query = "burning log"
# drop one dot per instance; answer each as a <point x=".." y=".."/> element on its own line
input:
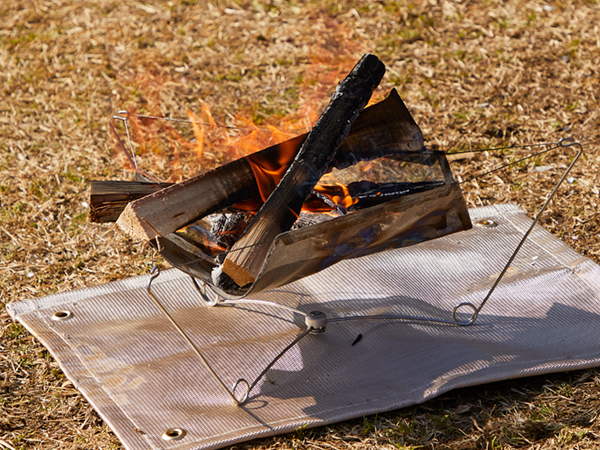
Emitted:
<point x="336" y="220"/>
<point x="168" y="210"/>
<point x="280" y="211"/>
<point x="365" y="194"/>
<point x="228" y="228"/>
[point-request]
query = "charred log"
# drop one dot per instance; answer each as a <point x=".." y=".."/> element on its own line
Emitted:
<point x="280" y="211"/>
<point x="230" y="227"/>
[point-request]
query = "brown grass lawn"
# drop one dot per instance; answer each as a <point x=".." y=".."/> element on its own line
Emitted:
<point x="475" y="74"/>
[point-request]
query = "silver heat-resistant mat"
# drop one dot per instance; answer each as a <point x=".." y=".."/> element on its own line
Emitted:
<point x="142" y="377"/>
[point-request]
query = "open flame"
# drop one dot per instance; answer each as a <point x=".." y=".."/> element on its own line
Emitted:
<point x="269" y="172"/>
<point x="338" y="194"/>
<point x="176" y="151"/>
<point x="210" y="145"/>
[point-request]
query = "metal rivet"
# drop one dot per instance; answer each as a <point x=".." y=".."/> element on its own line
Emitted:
<point x="174" y="434"/>
<point x="62" y="315"/>
<point x="486" y="223"/>
<point x="317" y="321"/>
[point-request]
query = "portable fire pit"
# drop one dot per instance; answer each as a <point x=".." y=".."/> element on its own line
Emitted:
<point x="271" y="348"/>
<point x="346" y="189"/>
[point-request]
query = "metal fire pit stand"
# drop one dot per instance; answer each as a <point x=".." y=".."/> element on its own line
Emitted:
<point x="317" y="321"/>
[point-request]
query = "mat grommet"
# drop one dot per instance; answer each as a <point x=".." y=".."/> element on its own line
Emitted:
<point x="62" y="315"/>
<point x="486" y="223"/>
<point x="174" y="434"/>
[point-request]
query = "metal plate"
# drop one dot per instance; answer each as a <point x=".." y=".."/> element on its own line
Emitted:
<point x="140" y="374"/>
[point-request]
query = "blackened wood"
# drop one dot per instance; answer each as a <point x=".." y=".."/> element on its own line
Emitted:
<point x="367" y="194"/>
<point x="281" y="209"/>
<point x="230" y="227"/>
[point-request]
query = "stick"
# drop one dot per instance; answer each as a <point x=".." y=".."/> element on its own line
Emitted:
<point x="281" y="209"/>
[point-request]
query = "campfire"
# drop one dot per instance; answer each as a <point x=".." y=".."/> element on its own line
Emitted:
<point x="361" y="181"/>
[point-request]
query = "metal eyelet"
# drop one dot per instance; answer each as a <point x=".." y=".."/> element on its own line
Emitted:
<point x="486" y="223"/>
<point x="59" y="316"/>
<point x="174" y="434"/>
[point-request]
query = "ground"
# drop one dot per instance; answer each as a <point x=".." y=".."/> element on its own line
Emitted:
<point x="475" y="74"/>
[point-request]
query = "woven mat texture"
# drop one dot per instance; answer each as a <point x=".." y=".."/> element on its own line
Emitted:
<point x="143" y="378"/>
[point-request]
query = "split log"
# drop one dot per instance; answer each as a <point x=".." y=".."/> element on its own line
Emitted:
<point x="222" y="187"/>
<point x="367" y="194"/>
<point x="109" y="198"/>
<point x="170" y="209"/>
<point x="280" y="211"/>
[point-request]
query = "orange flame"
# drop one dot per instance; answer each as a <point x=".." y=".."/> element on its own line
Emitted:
<point x="338" y="195"/>
<point x="269" y="173"/>
<point x="198" y="128"/>
<point x="206" y="145"/>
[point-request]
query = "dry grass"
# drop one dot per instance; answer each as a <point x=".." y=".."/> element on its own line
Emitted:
<point x="474" y="73"/>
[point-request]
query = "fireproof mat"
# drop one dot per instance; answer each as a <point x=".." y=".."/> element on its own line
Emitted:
<point x="142" y="377"/>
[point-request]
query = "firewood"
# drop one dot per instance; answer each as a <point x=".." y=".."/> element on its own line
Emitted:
<point x="109" y="198"/>
<point x="230" y="227"/>
<point x="383" y="129"/>
<point x="280" y="211"/>
<point x="155" y="214"/>
<point x="166" y="211"/>
<point x="367" y="194"/>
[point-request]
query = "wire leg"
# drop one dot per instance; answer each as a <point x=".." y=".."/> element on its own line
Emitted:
<point x="565" y="142"/>
<point x="155" y="272"/>
<point x="239" y="401"/>
<point x="249" y="387"/>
